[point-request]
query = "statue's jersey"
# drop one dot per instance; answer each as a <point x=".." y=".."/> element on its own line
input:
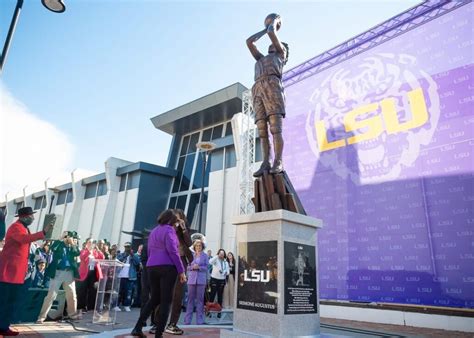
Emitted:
<point x="271" y="64"/>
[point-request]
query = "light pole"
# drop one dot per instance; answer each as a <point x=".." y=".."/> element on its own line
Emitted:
<point x="56" y="6"/>
<point x="205" y="149"/>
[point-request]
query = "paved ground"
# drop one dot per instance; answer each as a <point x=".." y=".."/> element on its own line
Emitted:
<point x="126" y="320"/>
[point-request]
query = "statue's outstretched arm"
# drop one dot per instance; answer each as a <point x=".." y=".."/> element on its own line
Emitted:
<point x="271" y="30"/>
<point x="251" y="44"/>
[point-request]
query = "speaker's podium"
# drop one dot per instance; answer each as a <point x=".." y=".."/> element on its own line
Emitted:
<point x="276" y="281"/>
<point x="107" y="291"/>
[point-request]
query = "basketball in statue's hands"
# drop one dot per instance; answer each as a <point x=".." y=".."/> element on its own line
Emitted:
<point x="269" y="19"/>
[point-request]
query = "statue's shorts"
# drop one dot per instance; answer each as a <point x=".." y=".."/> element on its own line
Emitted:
<point x="268" y="98"/>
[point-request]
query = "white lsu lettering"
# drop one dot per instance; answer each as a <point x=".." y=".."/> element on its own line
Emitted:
<point x="257" y="276"/>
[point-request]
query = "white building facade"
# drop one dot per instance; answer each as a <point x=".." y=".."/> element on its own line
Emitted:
<point x="129" y="196"/>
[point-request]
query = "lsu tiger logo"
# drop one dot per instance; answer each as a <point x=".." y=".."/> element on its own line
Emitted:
<point x="370" y="120"/>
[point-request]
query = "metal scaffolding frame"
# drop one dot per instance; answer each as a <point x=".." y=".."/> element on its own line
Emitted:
<point x="387" y="30"/>
<point x="247" y="160"/>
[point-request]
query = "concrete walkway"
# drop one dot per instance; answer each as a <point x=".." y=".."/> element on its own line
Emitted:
<point x="126" y="321"/>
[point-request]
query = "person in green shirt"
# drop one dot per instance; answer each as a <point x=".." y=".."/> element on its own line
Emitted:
<point x="63" y="270"/>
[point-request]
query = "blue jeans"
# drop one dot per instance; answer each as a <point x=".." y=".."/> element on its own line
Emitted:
<point x="126" y="291"/>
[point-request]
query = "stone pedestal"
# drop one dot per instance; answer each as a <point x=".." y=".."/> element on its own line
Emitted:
<point x="276" y="278"/>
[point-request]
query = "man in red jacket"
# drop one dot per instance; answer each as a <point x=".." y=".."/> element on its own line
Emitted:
<point x="14" y="263"/>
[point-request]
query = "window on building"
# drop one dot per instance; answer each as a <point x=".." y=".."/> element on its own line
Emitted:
<point x="197" y="182"/>
<point x="181" y="204"/>
<point x="217" y="131"/>
<point x="133" y="180"/>
<point x="18" y="206"/>
<point x="192" y="143"/>
<point x="123" y="181"/>
<point x="193" y="208"/>
<point x="193" y="212"/>
<point x="172" y="203"/>
<point x="40" y="203"/>
<point x="128" y="181"/>
<point x="230" y="159"/>
<point x="187" y="172"/>
<point x="90" y="190"/>
<point x="177" y="180"/>
<point x="217" y="160"/>
<point x="99" y="188"/>
<point x="206" y="135"/>
<point x="61" y="197"/>
<point x="3" y="210"/>
<point x="188" y="181"/>
<point x="69" y="196"/>
<point x="64" y="196"/>
<point x="228" y="129"/>
<point x="184" y="146"/>
<point x="102" y="188"/>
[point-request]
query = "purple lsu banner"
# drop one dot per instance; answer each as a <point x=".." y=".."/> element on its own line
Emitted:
<point x="380" y="148"/>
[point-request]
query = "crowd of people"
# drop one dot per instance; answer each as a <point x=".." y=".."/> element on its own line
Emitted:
<point x="170" y="272"/>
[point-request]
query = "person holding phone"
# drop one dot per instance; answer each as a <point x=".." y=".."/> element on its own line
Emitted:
<point x="89" y="274"/>
<point x="63" y="271"/>
<point x="128" y="276"/>
<point x="220" y="271"/>
<point x="164" y="266"/>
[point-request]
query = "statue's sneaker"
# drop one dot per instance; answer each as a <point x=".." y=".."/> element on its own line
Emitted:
<point x="263" y="167"/>
<point x="277" y="167"/>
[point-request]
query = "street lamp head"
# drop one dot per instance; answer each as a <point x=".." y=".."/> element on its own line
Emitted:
<point x="56" y="6"/>
<point x="206" y="146"/>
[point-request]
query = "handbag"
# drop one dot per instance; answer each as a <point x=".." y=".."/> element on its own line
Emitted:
<point x="214" y="307"/>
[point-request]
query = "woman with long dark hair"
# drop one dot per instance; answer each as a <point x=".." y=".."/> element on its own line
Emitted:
<point x="229" y="286"/>
<point x="186" y="256"/>
<point x="220" y="270"/>
<point x="164" y="266"/>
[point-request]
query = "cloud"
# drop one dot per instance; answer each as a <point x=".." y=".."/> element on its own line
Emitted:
<point x="31" y="149"/>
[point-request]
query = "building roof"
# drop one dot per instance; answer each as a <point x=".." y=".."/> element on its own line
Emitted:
<point x="148" y="167"/>
<point x="207" y="110"/>
<point x="93" y="179"/>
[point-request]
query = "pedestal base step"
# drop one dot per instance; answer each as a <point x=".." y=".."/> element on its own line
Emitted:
<point x="226" y="317"/>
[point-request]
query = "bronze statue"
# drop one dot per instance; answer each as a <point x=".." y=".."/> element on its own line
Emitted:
<point x="267" y="93"/>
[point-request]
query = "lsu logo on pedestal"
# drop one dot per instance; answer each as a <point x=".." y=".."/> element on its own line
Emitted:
<point x="370" y="118"/>
<point x="257" y="276"/>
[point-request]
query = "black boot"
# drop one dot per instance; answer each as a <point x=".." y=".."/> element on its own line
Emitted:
<point x="265" y="166"/>
<point x="137" y="332"/>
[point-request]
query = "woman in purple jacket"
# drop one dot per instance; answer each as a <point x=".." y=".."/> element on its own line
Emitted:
<point x="163" y="266"/>
<point x="197" y="279"/>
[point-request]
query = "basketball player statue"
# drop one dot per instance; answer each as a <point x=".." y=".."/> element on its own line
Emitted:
<point x="267" y="93"/>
